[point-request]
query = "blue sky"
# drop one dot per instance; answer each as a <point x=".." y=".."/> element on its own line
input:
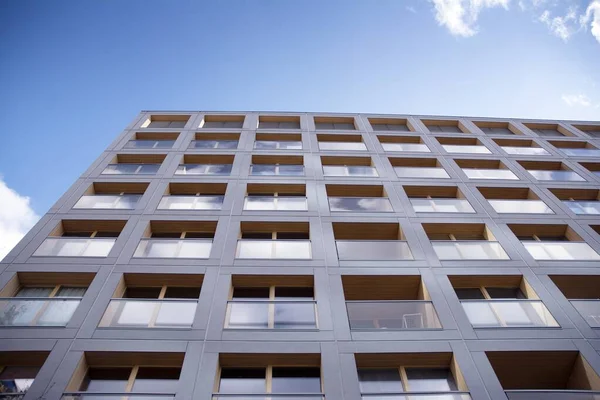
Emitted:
<point x="74" y="73"/>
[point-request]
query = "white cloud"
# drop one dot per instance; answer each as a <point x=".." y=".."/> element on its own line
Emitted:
<point x="563" y="27"/>
<point x="460" y="16"/>
<point x="592" y="13"/>
<point x="576" y="100"/>
<point x="16" y="218"/>
<point x="411" y="9"/>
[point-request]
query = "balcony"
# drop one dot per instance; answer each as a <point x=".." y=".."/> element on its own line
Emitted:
<point x="583" y="207"/>
<point x="149" y="144"/>
<point x="349" y="170"/>
<point x="589" y="310"/>
<point x="342" y="146"/>
<point x="149" y="313"/>
<point x="469" y="250"/>
<point x="405" y="147"/>
<point x="272" y="203"/>
<point x="203" y="169"/>
<point x="520" y="207"/>
<point x="525" y="151"/>
<point x="581" y="152"/>
<point x="417" y="396"/>
<point x="277" y="170"/>
<point x="191" y="202"/>
<point x="273" y="249"/>
<point x="392" y="315"/>
<point x="360" y="204"/>
<point x="115" y="396"/>
<point x="556" y="175"/>
<point x="508" y="313"/>
<point x="173" y="248"/>
<point x="454" y="145"/>
<point x="264" y="314"/>
<point x="472" y="173"/>
<point x="131" y="169"/>
<point x="421" y="172"/>
<point x="364" y="250"/>
<point x="267" y="396"/>
<point x="213" y="144"/>
<point x="75" y="247"/>
<point x="552" y="395"/>
<point x="30" y="311"/>
<point x="113" y="202"/>
<point x="442" y="205"/>
<point x="278" y="145"/>
<point x="560" y="250"/>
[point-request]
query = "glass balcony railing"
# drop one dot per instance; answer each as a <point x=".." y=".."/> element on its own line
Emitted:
<point x="417" y="172"/>
<point x="548" y="250"/>
<point x="277" y="145"/>
<point x="281" y="314"/>
<point x="116" y="396"/>
<point x="149" y="313"/>
<point x="271" y="203"/>
<point x="131" y="169"/>
<point x="581" y="152"/>
<point x="526" y="151"/>
<point x="583" y="207"/>
<point x="14" y="389"/>
<point x="360" y="204"/>
<point x="349" y="170"/>
<point x="75" y="247"/>
<point x="408" y="147"/>
<point x="589" y="310"/>
<point x="520" y="207"/>
<point x="280" y="170"/>
<point x="469" y="250"/>
<point x="203" y="169"/>
<point x="149" y="144"/>
<point x="552" y="395"/>
<point x="123" y="202"/>
<point x="173" y="248"/>
<point x="25" y="311"/>
<point x="554" y="175"/>
<point x="273" y="249"/>
<point x="191" y="203"/>
<point x="268" y="396"/>
<point x="392" y="315"/>
<point x="417" y="396"/>
<point x="349" y="250"/>
<point x="508" y="313"/>
<point x="442" y="205"/>
<point x="214" y="144"/>
<point x="473" y="173"/>
<point x="342" y="146"/>
<point x="453" y="148"/>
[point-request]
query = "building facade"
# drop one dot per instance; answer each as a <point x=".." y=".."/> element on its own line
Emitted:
<point x="308" y="256"/>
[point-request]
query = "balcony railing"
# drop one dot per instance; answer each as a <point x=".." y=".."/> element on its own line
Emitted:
<point x="589" y="310"/>
<point x="583" y="207"/>
<point x="454" y="148"/>
<point x="267" y="396"/>
<point x="271" y="203"/>
<point x="408" y="147"/>
<point x="473" y="173"/>
<point x="75" y="247"/>
<point x="417" y="396"/>
<point x="213" y="144"/>
<point x="131" y="169"/>
<point x="520" y="207"/>
<point x="191" y="203"/>
<point x="203" y="169"/>
<point x="360" y="204"/>
<point x="582" y="152"/>
<point x="553" y="175"/>
<point x="342" y="146"/>
<point x="278" y="170"/>
<point x="392" y="315"/>
<point x="116" y="396"/>
<point x="548" y="250"/>
<point x="173" y="248"/>
<point x="442" y="205"/>
<point x="31" y="311"/>
<point x="526" y="151"/>
<point x="265" y="314"/>
<point x="126" y="201"/>
<point x="349" y="170"/>
<point x="469" y="250"/>
<point x="509" y="313"/>
<point x="349" y="250"/>
<point x="149" y="313"/>
<point x="149" y="144"/>
<point x="273" y="249"/>
<point x="552" y="395"/>
<point x="277" y="145"/>
<point x="416" y="172"/>
<point x="14" y="389"/>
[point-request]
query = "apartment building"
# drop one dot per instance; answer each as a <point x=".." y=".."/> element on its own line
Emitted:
<point x="313" y="256"/>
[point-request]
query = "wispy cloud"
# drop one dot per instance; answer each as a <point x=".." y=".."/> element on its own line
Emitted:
<point x="16" y="218"/>
<point x="592" y="17"/>
<point x="563" y="27"/>
<point x="573" y="100"/>
<point x="411" y="9"/>
<point x="460" y="16"/>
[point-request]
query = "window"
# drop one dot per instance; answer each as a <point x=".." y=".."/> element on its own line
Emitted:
<point x="548" y="130"/>
<point x="277" y="165"/>
<point x="447" y="126"/>
<point x="348" y="166"/>
<point x="334" y="123"/>
<point x="112" y="195"/>
<point x="550" y="171"/>
<point x="583" y="291"/>
<point x="390" y="124"/>
<point x="392" y="302"/>
<point x="196" y="164"/>
<point x="486" y="169"/>
<point x="591" y="130"/>
<point x="594" y="168"/>
<point x="463" y="145"/>
<point x="403" y="143"/>
<point x="81" y="238"/>
<point x="496" y="128"/>
<point x="579" y="201"/>
<point x="145" y="301"/>
<point x="220" y="140"/>
<point x="514" y="200"/>
<point x="464" y="242"/>
<point x="266" y="240"/>
<point x="438" y="199"/>
<point x="341" y="142"/>
<point x="166" y="121"/>
<point x="193" y="196"/>
<point x="222" y="122"/>
<point x="134" y="164"/>
<point x="521" y="147"/>
<point x="177" y="239"/>
<point x="576" y="148"/>
<point x="370" y="241"/>
<point x="284" y="141"/>
<point x="418" y="168"/>
<point x="273" y="197"/>
<point x="358" y="198"/>
<point x="18" y="370"/>
<point x="278" y="122"/>
<point x="271" y="302"/>
<point x="152" y="140"/>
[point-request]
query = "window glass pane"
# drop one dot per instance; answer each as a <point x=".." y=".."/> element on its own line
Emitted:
<point x="250" y="293"/>
<point x="142" y="293"/>
<point x="156" y="380"/>
<point x="430" y="380"/>
<point x="67" y="291"/>
<point x="469" y="294"/>
<point x="106" y="380"/>
<point x="29" y="291"/>
<point x="242" y="380"/>
<point x="380" y="380"/>
<point x="505" y="293"/>
<point x="182" y="293"/>
<point x="296" y="380"/>
<point x="289" y="293"/>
